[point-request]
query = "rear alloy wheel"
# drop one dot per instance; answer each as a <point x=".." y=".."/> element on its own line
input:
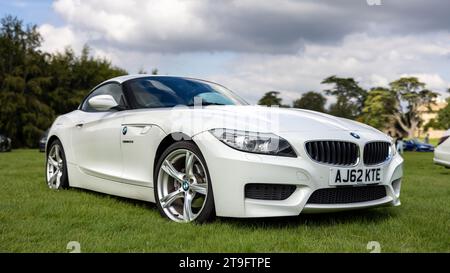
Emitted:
<point x="56" y="171"/>
<point x="183" y="190"/>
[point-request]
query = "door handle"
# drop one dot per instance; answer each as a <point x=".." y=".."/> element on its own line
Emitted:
<point x="79" y="125"/>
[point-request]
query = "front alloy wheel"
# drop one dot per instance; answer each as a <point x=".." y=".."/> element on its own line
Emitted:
<point x="183" y="189"/>
<point x="56" y="171"/>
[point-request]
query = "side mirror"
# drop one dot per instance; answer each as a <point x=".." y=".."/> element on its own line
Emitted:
<point x="102" y="102"/>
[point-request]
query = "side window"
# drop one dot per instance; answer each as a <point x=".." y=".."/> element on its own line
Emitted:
<point x="113" y="89"/>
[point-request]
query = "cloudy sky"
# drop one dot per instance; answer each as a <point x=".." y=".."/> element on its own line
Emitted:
<point x="254" y="46"/>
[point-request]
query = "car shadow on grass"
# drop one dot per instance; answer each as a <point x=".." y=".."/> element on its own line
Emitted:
<point x="369" y="216"/>
<point x="124" y="200"/>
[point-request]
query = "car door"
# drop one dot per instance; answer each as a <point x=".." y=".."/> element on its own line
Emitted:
<point x="96" y="136"/>
<point x="140" y="139"/>
<point x="139" y="143"/>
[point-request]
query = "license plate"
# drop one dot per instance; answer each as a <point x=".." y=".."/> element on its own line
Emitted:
<point x="342" y="177"/>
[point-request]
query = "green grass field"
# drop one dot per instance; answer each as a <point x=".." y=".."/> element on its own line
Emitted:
<point x="36" y="219"/>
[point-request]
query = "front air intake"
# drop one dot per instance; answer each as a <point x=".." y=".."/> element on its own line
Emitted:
<point x="341" y="153"/>
<point x="347" y="195"/>
<point x="269" y="191"/>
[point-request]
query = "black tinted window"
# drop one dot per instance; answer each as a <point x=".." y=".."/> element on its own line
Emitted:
<point x="113" y="89"/>
<point x="155" y="92"/>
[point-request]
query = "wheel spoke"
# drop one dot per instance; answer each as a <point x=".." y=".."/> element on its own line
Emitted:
<point x="200" y="188"/>
<point x="189" y="163"/>
<point x="58" y="178"/>
<point x="167" y="200"/>
<point x="187" y="208"/>
<point x="52" y="162"/>
<point x="53" y="178"/>
<point x="170" y="170"/>
<point x="57" y="155"/>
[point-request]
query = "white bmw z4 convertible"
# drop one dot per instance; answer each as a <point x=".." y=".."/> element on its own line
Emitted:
<point x="197" y="150"/>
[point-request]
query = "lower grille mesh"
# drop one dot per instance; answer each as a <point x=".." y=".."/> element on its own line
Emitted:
<point x="268" y="191"/>
<point x="347" y="195"/>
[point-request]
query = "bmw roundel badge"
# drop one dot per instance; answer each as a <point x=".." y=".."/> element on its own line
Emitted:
<point x="124" y="130"/>
<point x="355" y="135"/>
<point x="185" y="185"/>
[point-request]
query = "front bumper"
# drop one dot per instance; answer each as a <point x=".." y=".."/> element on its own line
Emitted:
<point x="231" y="170"/>
<point x="441" y="156"/>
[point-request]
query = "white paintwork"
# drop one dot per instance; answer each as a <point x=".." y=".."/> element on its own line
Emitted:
<point x="99" y="160"/>
<point x="102" y="102"/>
<point x="442" y="152"/>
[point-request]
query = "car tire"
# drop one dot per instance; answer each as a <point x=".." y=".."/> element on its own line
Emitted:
<point x="56" y="167"/>
<point x="189" y="186"/>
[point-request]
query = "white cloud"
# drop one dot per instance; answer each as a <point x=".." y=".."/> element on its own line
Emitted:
<point x="253" y="46"/>
<point x="100" y="18"/>
<point x="176" y="26"/>
<point x="433" y="81"/>
<point x="136" y="24"/>
<point x="58" y="38"/>
<point x="374" y="61"/>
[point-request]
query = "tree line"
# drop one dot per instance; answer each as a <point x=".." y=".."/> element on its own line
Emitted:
<point x="37" y="86"/>
<point x="395" y="109"/>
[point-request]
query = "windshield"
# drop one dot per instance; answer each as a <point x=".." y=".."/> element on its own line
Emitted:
<point x="156" y="92"/>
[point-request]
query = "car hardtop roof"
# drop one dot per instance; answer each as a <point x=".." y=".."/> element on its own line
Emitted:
<point x="122" y="79"/>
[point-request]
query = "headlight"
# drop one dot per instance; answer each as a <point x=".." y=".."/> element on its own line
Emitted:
<point x="254" y="142"/>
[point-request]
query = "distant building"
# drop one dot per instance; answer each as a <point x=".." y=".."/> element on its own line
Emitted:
<point x="426" y="115"/>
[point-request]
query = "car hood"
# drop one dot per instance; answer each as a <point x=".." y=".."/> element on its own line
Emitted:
<point x="249" y="118"/>
<point x="291" y="119"/>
